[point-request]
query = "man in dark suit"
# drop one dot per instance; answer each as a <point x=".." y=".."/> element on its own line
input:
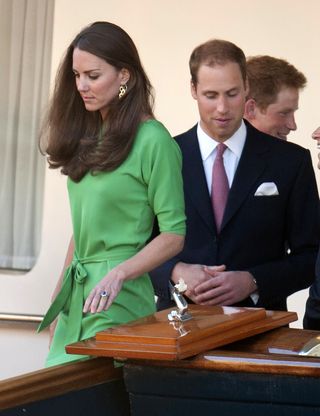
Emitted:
<point x="311" y="318"/>
<point x="265" y="248"/>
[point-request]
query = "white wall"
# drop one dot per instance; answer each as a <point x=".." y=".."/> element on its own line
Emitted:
<point x="165" y="33"/>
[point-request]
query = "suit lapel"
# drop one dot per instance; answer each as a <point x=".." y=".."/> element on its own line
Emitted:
<point x="251" y="165"/>
<point x="194" y="178"/>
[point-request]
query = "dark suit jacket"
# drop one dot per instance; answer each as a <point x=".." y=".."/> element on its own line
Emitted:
<point x="311" y="318"/>
<point x="257" y="231"/>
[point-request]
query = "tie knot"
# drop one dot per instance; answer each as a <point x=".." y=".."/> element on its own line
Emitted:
<point x="221" y="148"/>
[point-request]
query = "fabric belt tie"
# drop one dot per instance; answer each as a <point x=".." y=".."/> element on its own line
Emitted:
<point x="72" y="285"/>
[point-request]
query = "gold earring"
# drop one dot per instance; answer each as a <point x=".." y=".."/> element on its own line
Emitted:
<point x="122" y="90"/>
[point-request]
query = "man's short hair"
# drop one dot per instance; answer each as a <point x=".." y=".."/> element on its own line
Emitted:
<point x="216" y="52"/>
<point x="268" y="75"/>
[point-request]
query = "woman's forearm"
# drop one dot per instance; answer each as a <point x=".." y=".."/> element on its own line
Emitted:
<point x="157" y="251"/>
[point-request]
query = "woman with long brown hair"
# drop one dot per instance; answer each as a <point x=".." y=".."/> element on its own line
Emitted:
<point x="124" y="169"/>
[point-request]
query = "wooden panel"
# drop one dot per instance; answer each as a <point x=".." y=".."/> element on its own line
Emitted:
<point x="288" y="341"/>
<point x="154" y="337"/>
<point x="275" y="352"/>
<point x="56" y="380"/>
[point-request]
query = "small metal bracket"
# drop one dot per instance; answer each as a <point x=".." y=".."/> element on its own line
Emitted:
<point x="182" y="313"/>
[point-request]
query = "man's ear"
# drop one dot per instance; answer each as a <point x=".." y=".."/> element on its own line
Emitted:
<point x="193" y="90"/>
<point x="250" y="109"/>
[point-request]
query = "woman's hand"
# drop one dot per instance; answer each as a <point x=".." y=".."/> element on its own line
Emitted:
<point x="103" y="294"/>
<point x="157" y="251"/>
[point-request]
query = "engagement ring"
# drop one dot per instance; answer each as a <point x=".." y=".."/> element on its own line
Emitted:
<point x="104" y="294"/>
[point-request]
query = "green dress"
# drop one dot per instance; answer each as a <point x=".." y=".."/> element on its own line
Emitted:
<point x="112" y="215"/>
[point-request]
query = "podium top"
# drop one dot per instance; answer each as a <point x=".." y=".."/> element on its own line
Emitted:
<point x="154" y="337"/>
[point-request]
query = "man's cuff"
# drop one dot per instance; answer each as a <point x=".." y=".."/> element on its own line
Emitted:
<point x="254" y="297"/>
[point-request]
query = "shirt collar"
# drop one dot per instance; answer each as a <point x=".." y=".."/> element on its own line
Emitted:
<point x="235" y="143"/>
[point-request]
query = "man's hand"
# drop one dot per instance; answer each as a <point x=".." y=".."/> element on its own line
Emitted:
<point x="224" y="288"/>
<point x="194" y="275"/>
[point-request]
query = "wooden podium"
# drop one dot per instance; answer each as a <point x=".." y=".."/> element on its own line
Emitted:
<point x="155" y="337"/>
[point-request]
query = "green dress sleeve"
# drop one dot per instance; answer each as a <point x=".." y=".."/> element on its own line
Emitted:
<point x="161" y="169"/>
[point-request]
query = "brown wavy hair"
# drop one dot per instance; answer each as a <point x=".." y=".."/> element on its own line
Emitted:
<point x="216" y="52"/>
<point x="267" y="75"/>
<point x="71" y="136"/>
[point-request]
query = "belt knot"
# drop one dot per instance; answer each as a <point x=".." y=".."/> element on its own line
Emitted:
<point x="78" y="271"/>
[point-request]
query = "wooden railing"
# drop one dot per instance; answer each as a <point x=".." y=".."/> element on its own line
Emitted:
<point x="55" y="381"/>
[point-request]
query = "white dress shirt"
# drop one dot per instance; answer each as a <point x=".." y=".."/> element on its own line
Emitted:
<point x="231" y="155"/>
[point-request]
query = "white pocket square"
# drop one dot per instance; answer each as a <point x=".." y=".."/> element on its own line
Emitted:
<point x="267" y="189"/>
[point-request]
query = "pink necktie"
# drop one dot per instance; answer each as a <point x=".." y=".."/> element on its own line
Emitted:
<point x="220" y="186"/>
